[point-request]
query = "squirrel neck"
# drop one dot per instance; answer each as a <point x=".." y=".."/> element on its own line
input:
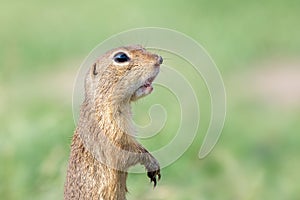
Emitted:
<point x="104" y="113"/>
<point x="114" y="114"/>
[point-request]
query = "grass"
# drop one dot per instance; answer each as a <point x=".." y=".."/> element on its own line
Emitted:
<point x="256" y="156"/>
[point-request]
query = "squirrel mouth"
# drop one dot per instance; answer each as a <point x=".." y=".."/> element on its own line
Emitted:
<point x="147" y="87"/>
<point x="144" y="89"/>
<point x="148" y="84"/>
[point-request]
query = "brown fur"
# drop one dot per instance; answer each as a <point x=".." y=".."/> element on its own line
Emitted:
<point x="103" y="148"/>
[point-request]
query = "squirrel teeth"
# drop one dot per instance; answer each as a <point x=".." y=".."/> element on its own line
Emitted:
<point x="145" y="89"/>
<point x="147" y="84"/>
<point x="149" y="81"/>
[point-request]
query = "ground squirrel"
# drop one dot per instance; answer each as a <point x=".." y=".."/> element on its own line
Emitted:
<point x="103" y="146"/>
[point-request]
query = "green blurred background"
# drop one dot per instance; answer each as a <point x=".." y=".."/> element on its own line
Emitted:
<point x="255" y="44"/>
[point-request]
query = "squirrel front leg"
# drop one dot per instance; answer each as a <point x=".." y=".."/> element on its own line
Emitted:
<point x="151" y="164"/>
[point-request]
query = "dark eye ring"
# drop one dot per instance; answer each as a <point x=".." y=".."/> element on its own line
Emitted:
<point x="121" y="57"/>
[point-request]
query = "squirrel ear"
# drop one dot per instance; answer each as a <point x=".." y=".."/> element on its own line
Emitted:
<point x="95" y="69"/>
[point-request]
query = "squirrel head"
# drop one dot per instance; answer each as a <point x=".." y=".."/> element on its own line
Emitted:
<point x="122" y="75"/>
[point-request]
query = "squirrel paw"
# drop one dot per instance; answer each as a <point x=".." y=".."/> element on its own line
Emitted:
<point x="153" y="169"/>
<point x="152" y="175"/>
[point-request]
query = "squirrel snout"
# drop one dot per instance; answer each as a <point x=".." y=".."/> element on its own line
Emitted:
<point x="159" y="61"/>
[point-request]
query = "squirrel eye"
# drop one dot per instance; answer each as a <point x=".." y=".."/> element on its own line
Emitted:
<point x="121" y="57"/>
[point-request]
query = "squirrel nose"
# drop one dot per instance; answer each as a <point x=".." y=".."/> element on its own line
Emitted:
<point x="160" y="60"/>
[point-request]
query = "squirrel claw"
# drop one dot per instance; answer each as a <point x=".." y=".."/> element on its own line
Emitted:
<point x="152" y="175"/>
